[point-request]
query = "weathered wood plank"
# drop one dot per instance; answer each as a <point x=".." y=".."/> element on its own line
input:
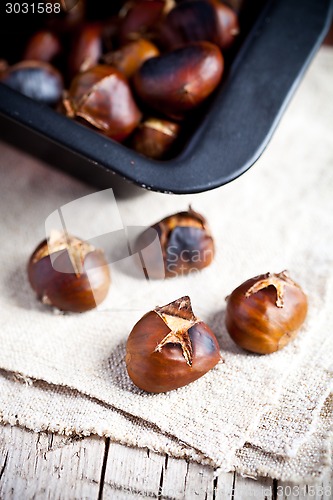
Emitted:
<point x="184" y="480"/>
<point x="247" y="489"/>
<point x="133" y="472"/>
<point x="224" y="486"/>
<point x="44" y="466"/>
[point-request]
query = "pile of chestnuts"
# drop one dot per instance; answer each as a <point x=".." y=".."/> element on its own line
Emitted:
<point x="169" y="347"/>
<point x="138" y="76"/>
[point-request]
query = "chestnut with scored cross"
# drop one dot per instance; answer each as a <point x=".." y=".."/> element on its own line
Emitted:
<point x="68" y="273"/>
<point x="186" y="244"/>
<point x="265" y="313"/>
<point x="170" y="347"/>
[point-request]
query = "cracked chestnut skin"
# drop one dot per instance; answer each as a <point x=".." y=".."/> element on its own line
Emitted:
<point x="186" y="244"/>
<point x="265" y="313"/>
<point x="131" y="56"/>
<point x="161" y="358"/>
<point x="102" y="97"/>
<point x="70" y="290"/>
<point x="155" y="137"/>
<point x="178" y="81"/>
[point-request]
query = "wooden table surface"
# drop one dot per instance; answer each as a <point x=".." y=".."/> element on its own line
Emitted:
<point x="46" y="466"/>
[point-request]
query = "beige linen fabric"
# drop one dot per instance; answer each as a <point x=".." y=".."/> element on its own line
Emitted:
<point x="70" y="413"/>
<point x="262" y="411"/>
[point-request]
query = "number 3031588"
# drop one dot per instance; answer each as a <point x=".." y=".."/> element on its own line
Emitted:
<point x="32" y="8"/>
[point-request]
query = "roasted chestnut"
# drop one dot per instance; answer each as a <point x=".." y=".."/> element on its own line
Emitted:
<point x="42" y="46"/>
<point x="190" y="21"/>
<point x="71" y="15"/>
<point x="86" y="48"/>
<point x="227" y="24"/>
<point x="138" y="17"/>
<point x="180" y="80"/>
<point x="199" y="20"/>
<point x="101" y="96"/>
<point x="131" y="56"/>
<point x="36" y="79"/>
<point x="169" y="348"/>
<point x="155" y="137"/>
<point x="68" y="273"/>
<point x="186" y="243"/>
<point x="265" y="313"/>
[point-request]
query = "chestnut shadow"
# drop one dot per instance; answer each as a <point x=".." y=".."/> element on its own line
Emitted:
<point x="117" y="372"/>
<point x="19" y="292"/>
<point x="130" y="266"/>
<point x="217" y="324"/>
<point x="142" y="258"/>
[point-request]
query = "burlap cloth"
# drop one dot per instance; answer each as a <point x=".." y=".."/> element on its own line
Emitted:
<point x="259" y="415"/>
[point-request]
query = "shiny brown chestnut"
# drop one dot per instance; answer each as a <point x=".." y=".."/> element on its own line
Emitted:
<point x="227" y="24"/>
<point x="190" y="21"/>
<point x="199" y="20"/>
<point x="68" y="273"/>
<point x="102" y="97"/>
<point x="265" y="313"/>
<point x="44" y="45"/>
<point x="137" y="18"/>
<point x="178" y="81"/>
<point x="155" y="137"/>
<point x="169" y="348"/>
<point x="86" y="48"/>
<point x="131" y="56"/>
<point x="186" y="243"/>
<point x="71" y="15"/>
<point x="35" y="79"/>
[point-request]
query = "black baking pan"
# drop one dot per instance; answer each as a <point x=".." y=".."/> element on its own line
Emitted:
<point x="230" y="135"/>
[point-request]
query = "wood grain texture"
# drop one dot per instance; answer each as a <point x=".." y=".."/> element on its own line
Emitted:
<point x="44" y="466"/>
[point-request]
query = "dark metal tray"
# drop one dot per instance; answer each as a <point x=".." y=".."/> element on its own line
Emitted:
<point x="231" y="136"/>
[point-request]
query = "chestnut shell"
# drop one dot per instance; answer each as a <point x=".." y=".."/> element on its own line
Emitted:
<point x="178" y="81"/>
<point x="256" y="323"/>
<point x="131" y="56"/>
<point x="190" y="21"/>
<point x="155" y="137"/>
<point x="186" y="243"/>
<point x="43" y="45"/>
<point x="86" y="48"/>
<point x="165" y="370"/>
<point x="140" y="17"/>
<point x="65" y="290"/>
<point x="35" y="79"/>
<point x="102" y="97"/>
